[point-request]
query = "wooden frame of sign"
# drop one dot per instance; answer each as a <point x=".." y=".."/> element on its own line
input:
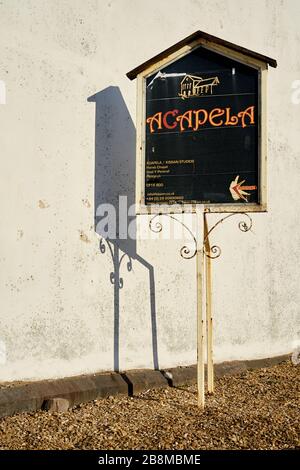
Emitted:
<point x="243" y="185"/>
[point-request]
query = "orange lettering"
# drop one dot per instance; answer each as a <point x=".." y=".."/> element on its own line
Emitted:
<point x="199" y="122"/>
<point x="217" y="112"/>
<point x="165" y="122"/>
<point x="194" y="119"/>
<point x="231" y="120"/>
<point x="156" y="118"/>
<point x="187" y="116"/>
<point x="248" y="112"/>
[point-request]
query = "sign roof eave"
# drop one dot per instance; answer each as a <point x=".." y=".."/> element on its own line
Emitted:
<point x="193" y="37"/>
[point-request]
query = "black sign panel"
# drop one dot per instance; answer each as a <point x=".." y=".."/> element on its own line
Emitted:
<point x="202" y="122"/>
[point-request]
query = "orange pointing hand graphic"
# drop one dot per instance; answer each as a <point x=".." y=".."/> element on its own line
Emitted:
<point x="237" y="190"/>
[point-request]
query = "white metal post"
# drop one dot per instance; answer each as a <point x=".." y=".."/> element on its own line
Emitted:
<point x="208" y="303"/>
<point x="200" y="326"/>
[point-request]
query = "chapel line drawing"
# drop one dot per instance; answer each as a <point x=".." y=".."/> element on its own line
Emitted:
<point x="192" y="86"/>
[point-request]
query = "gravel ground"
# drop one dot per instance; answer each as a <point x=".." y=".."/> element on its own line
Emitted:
<point x="253" y="410"/>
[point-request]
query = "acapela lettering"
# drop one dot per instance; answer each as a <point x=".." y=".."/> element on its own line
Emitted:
<point x="193" y="120"/>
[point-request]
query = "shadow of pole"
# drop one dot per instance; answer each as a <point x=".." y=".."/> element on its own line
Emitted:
<point x="152" y="310"/>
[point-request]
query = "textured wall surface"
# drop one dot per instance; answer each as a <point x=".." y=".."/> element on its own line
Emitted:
<point x="67" y="134"/>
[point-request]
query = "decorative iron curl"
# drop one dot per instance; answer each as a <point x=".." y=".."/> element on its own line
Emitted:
<point x="156" y="227"/>
<point x="112" y="274"/>
<point x="215" y="251"/>
<point x="103" y="248"/>
<point x="129" y="262"/>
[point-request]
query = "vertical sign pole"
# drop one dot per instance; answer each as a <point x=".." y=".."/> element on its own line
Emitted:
<point x="209" y="320"/>
<point x="200" y="327"/>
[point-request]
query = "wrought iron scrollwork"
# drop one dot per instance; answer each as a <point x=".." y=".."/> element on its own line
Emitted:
<point x="186" y="252"/>
<point x="215" y="251"/>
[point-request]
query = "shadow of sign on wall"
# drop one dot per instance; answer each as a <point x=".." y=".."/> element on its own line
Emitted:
<point x="114" y="177"/>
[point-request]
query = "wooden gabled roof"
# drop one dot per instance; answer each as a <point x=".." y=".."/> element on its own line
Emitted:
<point x="193" y="37"/>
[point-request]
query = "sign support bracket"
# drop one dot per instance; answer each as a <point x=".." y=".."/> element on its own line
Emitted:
<point x="204" y="253"/>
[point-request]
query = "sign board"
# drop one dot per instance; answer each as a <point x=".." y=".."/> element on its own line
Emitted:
<point x="202" y="122"/>
<point x="201" y="133"/>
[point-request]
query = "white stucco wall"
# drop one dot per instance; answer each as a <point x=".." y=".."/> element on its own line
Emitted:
<point x="59" y="308"/>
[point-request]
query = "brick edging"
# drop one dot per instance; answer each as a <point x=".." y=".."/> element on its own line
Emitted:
<point x="32" y="396"/>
